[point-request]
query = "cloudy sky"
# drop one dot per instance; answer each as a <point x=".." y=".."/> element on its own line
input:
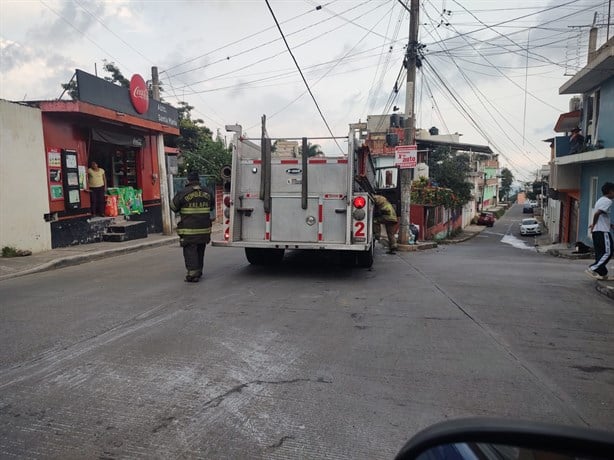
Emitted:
<point x="490" y="73"/>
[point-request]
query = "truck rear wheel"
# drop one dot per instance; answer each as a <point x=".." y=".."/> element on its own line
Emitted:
<point x="260" y="256"/>
<point x="364" y="259"/>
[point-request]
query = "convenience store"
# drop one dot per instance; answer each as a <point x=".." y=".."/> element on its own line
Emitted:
<point x="119" y="129"/>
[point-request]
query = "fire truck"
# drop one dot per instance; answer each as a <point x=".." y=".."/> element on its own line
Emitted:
<point x="277" y="199"/>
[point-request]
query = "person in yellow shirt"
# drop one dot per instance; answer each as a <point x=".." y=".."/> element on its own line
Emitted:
<point x="98" y="186"/>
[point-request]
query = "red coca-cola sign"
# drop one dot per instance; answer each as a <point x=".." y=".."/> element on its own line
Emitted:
<point x="139" y="94"/>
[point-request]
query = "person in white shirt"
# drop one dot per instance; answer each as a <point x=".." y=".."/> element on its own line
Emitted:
<point x="601" y="230"/>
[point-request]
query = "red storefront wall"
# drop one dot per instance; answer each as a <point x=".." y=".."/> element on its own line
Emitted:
<point x="62" y="133"/>
<point x="68" y="125"/>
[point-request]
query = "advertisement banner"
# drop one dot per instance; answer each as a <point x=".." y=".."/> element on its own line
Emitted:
<point x="406" y="156"/>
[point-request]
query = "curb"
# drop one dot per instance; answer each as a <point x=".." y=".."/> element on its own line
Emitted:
<point x="605" y="289"/>
<point x="415" y="247"/>
<point x="461" y="240"/>
<point x="83" y="258"/>
<point x="564" y="255"/>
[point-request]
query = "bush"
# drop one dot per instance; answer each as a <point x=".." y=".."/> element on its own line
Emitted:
<point x="499" y="213"/>
<point x="10" y="251"/>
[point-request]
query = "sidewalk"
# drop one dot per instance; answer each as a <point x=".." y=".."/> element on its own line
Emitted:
<point x="11" y="267"/>
<point x="567" y="251"/>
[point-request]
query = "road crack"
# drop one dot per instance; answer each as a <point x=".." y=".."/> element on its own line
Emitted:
<point x="238" y="388"/>
<point x="280" y="442"/>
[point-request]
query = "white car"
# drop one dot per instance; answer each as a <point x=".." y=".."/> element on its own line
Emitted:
<point x="530" y="227"/>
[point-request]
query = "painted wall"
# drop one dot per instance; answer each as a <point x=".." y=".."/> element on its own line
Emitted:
<point x="442" y="222"/>
<point x="23" y="179"/>
<point x="61" y="135"/>
<point x="605" y="133"/>
<point x="61" y="132"/>
<point x="604" y="171"/>
<point x="553" y="222"/>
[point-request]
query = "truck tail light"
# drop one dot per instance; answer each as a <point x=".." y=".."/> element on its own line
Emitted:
<point x="359" y="202"/>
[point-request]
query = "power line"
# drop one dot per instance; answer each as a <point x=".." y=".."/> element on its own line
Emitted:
<point x="336" y="62"/>
<point x="302" y="76"/>
<point x="234" y="71"/>
<point x="112" y="32"/>
<point x="520" y="47"/>
<point x="481" y="100"/>
<point x="520" y="17"/>
<point x="461" y="106"/>
<point x="371" y="96"/>
<point x="260" y="46"/>
<point x="475" y="91"/>
<point x="243" y="39"/>
<point x="78" y="30"/>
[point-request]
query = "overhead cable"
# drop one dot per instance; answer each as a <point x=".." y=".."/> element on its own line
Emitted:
<point x="302" y="76"/>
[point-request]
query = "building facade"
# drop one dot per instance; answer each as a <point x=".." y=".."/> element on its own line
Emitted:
<point x="577" y="174"/>
<point x="120" y="129"/>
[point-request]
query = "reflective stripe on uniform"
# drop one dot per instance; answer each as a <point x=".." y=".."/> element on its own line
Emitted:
<point x="193" y="231"/>
<point x="195" y="210"/>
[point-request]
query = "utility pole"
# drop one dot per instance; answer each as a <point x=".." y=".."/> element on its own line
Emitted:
<point x="162" y="176"/>
<point x="410" y="128"/>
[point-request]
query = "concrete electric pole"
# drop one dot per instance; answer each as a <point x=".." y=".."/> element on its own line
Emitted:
<point x="162" y="179"/>
<point x="410" y="127"/>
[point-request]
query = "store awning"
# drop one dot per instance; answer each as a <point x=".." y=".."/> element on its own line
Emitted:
<point x="117" y="138"/>
<point x="568" y="121"/>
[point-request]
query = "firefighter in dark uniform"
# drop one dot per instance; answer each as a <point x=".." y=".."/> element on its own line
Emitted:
<point x="385" y="214"/>
<point x="193" y="203"/>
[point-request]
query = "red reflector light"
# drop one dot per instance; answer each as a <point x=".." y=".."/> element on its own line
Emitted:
<point x="359" y="202"/>
<point x="227" y="201"/>
<point x="227" y="234"/>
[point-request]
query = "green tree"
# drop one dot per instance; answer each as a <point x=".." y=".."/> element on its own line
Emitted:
<point x="199" y="151"/>
<point x="116" y="76"/>
<point x="506" y="183"/>
<point x="449" y="169"/>
<point x="71" y="88"/>
<point x="313" y="149"/>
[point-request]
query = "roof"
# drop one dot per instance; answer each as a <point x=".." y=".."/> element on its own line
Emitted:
<point x="454" y="145"/>
<point x="567" y="121"/>
<point x="600" y="69"/>
<point x="91" y="110"/>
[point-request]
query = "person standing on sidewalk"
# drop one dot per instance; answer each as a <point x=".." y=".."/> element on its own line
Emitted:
<point x="601" y="229"/>
<point x="97" y="181"/>
<point x="193" y="203"/>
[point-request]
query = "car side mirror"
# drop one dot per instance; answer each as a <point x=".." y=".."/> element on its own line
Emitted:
<point x="486" y="438"/>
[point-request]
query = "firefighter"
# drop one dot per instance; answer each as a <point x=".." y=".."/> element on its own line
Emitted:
<point x="386" y="215"/>
<point x="194" y="230"/>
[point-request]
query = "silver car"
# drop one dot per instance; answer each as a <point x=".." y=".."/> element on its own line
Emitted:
<point x="530" y="227"/>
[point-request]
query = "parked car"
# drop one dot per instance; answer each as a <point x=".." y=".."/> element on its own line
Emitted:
<point x="530" y="227"/>
<point x="486" y="218"/>
<point x="527" y="208"/>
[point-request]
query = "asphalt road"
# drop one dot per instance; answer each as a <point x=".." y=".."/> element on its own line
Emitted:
<point x="120" y="358"/>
